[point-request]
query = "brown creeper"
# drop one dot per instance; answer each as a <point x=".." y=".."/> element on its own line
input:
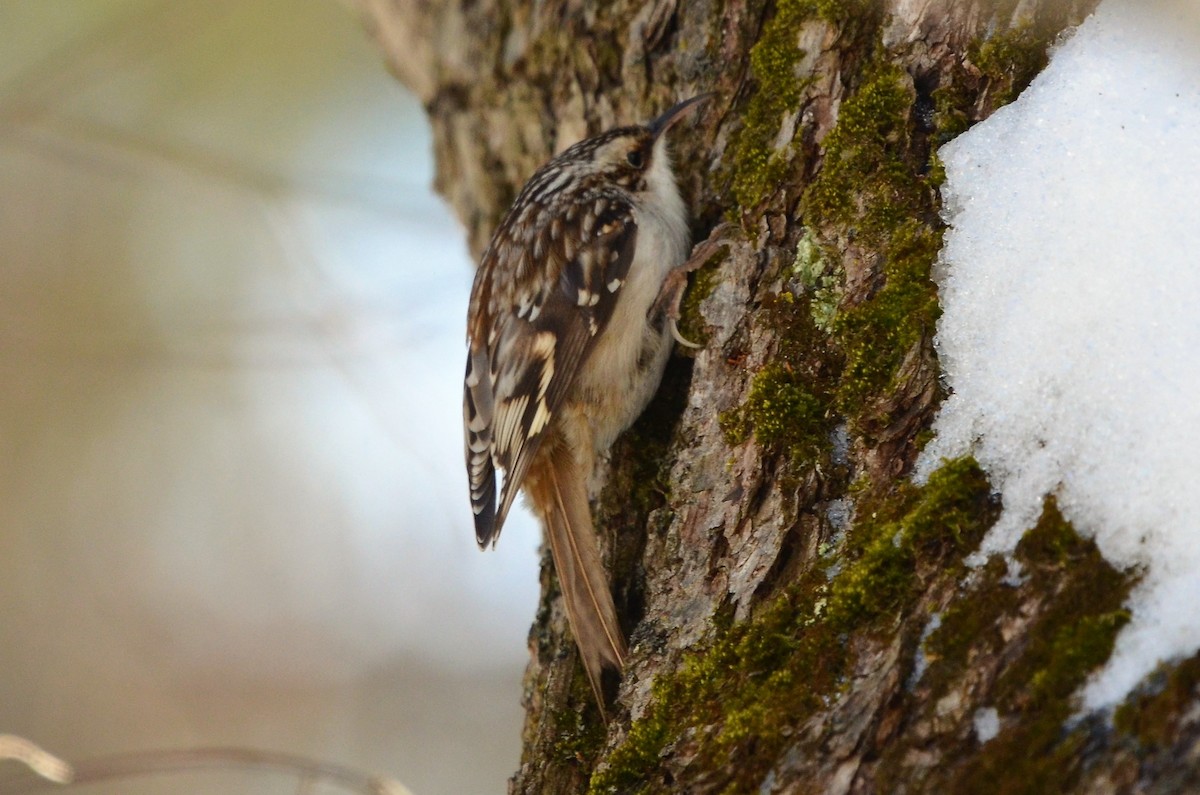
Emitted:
<point x="568" y="341"/>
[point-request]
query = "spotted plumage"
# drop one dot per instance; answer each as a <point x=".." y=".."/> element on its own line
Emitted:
<point x="563" y="351"/>
<point x="540" y="327"/>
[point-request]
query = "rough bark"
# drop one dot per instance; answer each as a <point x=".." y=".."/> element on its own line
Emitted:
<point x="800" y="614"/>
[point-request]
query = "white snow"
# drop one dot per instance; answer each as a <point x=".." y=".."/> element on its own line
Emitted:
<point x="1071" y="335"/>
<point x="987" y="724"/>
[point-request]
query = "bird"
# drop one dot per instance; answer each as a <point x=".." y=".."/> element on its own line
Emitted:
<point x="569" y="329"/>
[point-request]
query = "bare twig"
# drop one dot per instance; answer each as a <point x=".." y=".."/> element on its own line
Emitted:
<point x="53" y="772"/>
<point x="46" y="765"/>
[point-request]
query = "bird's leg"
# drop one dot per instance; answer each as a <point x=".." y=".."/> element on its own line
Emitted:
<point x="670" y="295"/>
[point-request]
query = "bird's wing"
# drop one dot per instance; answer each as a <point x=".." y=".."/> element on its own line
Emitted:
<point x="541" y="300"/>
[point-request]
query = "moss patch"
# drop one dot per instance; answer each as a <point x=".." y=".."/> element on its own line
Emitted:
<point x="1006" y="63"/>
<point x="579" y="733"/>
<point x="1153" y="714"/>
<point x="951" y="103"/>
<point x="947" y="521"/>
<point x="781" y="412"/>
<point x="759" y="159"/>
<point x="757" y="165"/>
<point x="1078" y="600"/>
<point x="733" y="704"/>
<point x="1011" y="59"/>
<point x="869" y="196"/>
<point x="788" y="408"/>
<point x="866" y="184"/>
<point x="877" y="335"/>
<point x="712" y="704"/>
<point x="968" y="625"/>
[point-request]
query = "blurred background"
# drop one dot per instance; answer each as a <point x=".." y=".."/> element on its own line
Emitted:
<point x="232" y="507"/>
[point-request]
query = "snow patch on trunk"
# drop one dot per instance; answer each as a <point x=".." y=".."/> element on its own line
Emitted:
<point x="1070" y="282"/>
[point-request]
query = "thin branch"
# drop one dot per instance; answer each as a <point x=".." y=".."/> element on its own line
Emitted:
<point x="57" y="773"/>
<point x="45" y="764"/>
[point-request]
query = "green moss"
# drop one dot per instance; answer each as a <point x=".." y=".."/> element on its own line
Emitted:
<point x="1005" y="63"/>
<point x="717" y="701"/>
<point x="1023" y="646"/>
<point x="735" y="702"/>
<point x="937" y="170"/>
<point x="579" y="735"/>
<point x="1153" y="714"/>
<point x="840" y="12"/>
<point x="946" y="517"/>
<point x="1052" y="542"/>
<point x="1075" y="631"/>
<point x="691" y="325"/>
<point x="781" y="412"/>
<point x="733" y="427"/>
<point x="1072" y="634"/>
<point x="951" y="102"/>
<point x="877" y="335"/>
<point x="1011" y="59"/>
<point x="788" y="406"/>
<point x="865" y="182"/>
<point x="869" y="195"/>
<point x="757" y="166"/>
<point x="641" y="751"/>
<point x="969" y="623"/>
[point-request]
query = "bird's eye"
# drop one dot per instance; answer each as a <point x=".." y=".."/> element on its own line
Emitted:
<point x="635" y="158"/>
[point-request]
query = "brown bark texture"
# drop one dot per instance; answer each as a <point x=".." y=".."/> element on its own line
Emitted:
<point x="801" y="618"/>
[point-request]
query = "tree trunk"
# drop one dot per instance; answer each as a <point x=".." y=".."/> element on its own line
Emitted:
<point x="801" y="618"/>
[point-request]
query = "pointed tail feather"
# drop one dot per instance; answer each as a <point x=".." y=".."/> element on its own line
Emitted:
<point x="559" y="487"/>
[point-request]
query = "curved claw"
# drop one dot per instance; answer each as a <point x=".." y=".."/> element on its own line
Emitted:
<point x="670" y="296"/>
<point x="682" y="340"/>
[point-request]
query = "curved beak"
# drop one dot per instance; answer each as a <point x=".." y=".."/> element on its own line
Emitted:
<point x="677" y="113"/>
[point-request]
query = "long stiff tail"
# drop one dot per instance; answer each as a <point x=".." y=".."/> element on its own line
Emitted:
<point x="558" y="489"/>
